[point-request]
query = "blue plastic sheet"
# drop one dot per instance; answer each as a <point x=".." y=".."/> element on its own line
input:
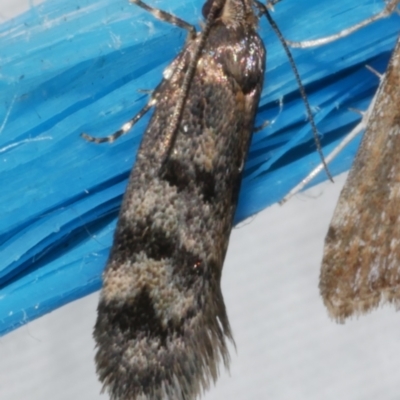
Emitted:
<point x="72" y="66"/>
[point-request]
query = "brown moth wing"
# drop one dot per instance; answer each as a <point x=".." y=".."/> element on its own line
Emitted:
<point x="361" y="262"/>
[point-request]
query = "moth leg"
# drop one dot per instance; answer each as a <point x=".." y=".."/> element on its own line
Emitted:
<point x="163" y="16"/>
<point x="167" y="17"/>
<point x="259" y="128"/>
<point x="390" y="8"/>
<point x="124" y="128"/>
<point x="270" y="122"/>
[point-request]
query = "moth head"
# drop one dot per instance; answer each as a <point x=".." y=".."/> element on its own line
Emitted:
<point x="231" y="11"/>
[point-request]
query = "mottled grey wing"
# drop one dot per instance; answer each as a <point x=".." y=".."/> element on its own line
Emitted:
<point x="361" y="262"/>
<point x="162" y="325"/>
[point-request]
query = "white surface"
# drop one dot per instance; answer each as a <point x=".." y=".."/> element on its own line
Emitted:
<point x="287" y="348"/>
<point x="11" y="8"/>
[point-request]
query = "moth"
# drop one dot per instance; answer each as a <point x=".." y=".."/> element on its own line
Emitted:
<point x="361" y="262"/>
<point x="162" y="326"/>
<point x="360" y="266"/>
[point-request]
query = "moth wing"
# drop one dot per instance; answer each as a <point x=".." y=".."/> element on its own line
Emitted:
<point x="361" y="262"/>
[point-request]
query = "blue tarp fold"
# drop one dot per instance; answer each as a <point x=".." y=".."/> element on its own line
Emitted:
<point x="72" y="66"/>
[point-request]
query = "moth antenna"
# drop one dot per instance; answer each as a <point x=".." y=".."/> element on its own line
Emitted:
<point x="278" y="33"/>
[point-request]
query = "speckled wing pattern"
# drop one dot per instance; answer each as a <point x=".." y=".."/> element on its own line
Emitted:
<point x="162" y="325"/>
<point x="361" y="262"/>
